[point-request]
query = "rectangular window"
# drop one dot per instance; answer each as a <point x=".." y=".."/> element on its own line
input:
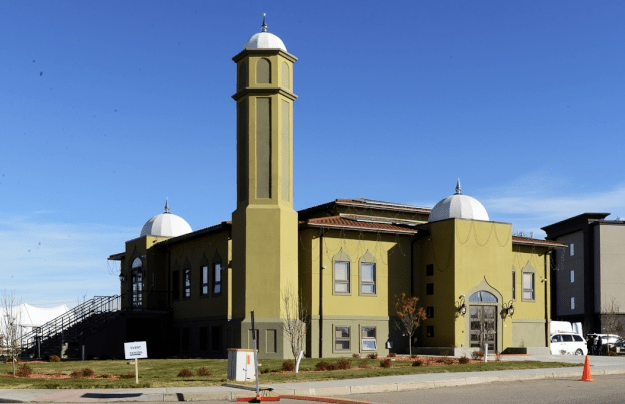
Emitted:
<point x="572" y="276"/>
<point x="367" y="339"/>
<point x="341" y="338"/>
<point x="429" y="269"/>
<point x="429" y="288"/>
<point x="341" y="277"/>
<point x="215" y="338"/>
<point x="175" y="281"/>
<point x="367" y="278"/>
<point x="203" y="338"/>
<point x="513" y="285"/>
<point x="187" y="283"/>
<point x="528" y="286"/>
<point x="572" y="249"/>
<point x="217" y="279"/>
<point x="204" y="287"/>
<point x="572" y="303"/>
<point x="429" y="312"/>
<point x="429" y="331"/>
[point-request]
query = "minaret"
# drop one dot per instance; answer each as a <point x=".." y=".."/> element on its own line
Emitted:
<point x="264" y="225"/>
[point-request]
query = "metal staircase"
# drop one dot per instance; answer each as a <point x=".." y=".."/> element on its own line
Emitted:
<point x="72" y="326"/>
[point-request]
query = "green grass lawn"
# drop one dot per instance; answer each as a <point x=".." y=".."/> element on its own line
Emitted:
<point x="163" y="372"/>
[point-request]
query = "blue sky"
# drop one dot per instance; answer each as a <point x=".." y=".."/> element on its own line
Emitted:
<point x="109" y="107"/>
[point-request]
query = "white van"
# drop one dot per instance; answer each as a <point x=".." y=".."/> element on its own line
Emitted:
<point x="568" y="343"/>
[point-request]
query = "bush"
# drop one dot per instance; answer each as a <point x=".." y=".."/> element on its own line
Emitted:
<point x="323" y="365"/>
<point x="205" y="372"/>
<point x="392" y="355"/>
<point x="289" y="366"/>
<point x="344" y="364"/>
<point x="463" y="360"/>
<point x="263" y="370"/>
<point x="364" y="363"/>
<point x="54" y="358"/>
<point x="446" y="361"/>
<point x="417" y="363"/>
<point x="477" y="354"/>
<point x="76" y="374"/>
<point x="372" y="356"/>
<point x="127" y="376"/>
<point x="611" y="353"/>
<point x="333" y="366"/>
<point x="86" y="372"/>
<point x="355" y="356"/>
<point x="386" y="363"/>
<point x="24" y="371"/>
<point x="185" y="373"/>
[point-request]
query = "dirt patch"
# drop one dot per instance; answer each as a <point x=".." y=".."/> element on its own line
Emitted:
<point x="60" y="376"/>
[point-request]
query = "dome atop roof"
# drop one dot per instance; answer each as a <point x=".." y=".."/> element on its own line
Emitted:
<point x="264" y="40"/>
<point x="458" y="206"/>
<point x="166" y="225"/>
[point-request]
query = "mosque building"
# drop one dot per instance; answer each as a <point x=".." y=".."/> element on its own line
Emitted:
<point x="346" y="259"/>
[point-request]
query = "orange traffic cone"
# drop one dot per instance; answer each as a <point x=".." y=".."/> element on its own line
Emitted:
<point x="586" y="376"/>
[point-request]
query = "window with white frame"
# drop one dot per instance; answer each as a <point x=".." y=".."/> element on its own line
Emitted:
<point x="572" y="276"/>
<point x="217" y="278"/>
<point x="204" y="287"/>
<point x="572" y="249"/>
<point x="367" y="338"/>
<point x="341" y="277"/>
<point x="572" y="303"/>
<point x="341" y="338"/>
<point x="528" y="286"/>
<point x="367" y="278"/>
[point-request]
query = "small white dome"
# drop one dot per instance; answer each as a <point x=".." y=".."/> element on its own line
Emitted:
<point x="264" y="40"/>
<point x="166" y="225"/>
<point x="458" y="206"/>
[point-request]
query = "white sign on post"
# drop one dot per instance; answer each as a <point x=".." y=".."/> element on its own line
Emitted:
<point x="136" y="350"/>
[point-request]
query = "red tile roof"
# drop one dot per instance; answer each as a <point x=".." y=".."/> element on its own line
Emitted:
<point x="535" y="241"/>
<point x="347" y="224"/>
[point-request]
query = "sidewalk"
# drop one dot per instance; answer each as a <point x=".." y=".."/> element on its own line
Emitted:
<point x="600" y="365"/>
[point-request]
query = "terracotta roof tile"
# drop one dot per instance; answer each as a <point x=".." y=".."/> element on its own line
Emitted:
<point x="343" y="223"/>
<point x="535" y="241"/>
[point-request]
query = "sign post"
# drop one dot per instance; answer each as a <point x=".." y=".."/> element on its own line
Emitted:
<point x="136" y="350"/>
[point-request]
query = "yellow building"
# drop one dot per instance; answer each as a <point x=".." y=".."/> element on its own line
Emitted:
<point x="346" y="259"/>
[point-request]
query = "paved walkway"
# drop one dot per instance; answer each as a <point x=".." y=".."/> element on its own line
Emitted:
<point x="600" y="365"/>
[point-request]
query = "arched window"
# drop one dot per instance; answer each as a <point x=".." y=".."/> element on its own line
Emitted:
<point x="483" y="297"/>
<point x="263" y="71"/>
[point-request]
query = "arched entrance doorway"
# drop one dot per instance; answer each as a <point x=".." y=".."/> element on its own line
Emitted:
<point x="483" y="320"/>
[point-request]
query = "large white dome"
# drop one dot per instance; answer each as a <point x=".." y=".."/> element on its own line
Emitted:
<point x="458" y="206"/>
<point x="264" y="40"/>
<point x="166" y="225"/>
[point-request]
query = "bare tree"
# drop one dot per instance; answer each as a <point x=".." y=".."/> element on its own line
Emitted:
<point x="296" y="317"/>
<point x="409" y="315"/>
<point x="610" y="313"/>
<point x="9" y="327"/>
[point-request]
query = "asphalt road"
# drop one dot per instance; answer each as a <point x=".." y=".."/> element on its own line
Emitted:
<point x="604" y="390"/>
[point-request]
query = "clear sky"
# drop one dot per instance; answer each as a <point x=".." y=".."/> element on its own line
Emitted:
<point x="109" y="107"/>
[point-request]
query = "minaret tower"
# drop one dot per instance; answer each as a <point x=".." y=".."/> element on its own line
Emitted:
<point x="264" y="225"/>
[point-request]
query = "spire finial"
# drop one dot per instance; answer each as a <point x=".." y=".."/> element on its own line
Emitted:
<point x="166" y="205"/>
<point x="458" y="189"/>
<point x="263" y="28"/>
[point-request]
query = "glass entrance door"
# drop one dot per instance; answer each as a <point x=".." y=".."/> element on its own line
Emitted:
<point x="483" y="326"/>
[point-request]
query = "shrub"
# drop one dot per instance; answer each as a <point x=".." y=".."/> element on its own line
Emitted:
<point x="344" y="364"/>
<point x="76" y="374"/>
<point x="392" y="355"/>
<point x="477" y="354"/>
<point x="364" y="363"/>
<point x="323" y="365"/>
<point x="205" y="372"/>
<point x="127" y="376"/>
<point x="372" y="356"/>
<point x="264" y="370"/>
<point x="289" y="366"/>
<point x="86" y="372"/>
<point x="355" y="356"/>
<point x="611" y="353"/>
<point x="417" y="363"/>
<point x="463" y="360"/>
<point x="333" y="366"/>
<point x="386" y="363"/>
<point x="24" y="371"/>
<point x="105" y="376"/>
<point x="54" y="358"/>
<point x="184" y="373"/>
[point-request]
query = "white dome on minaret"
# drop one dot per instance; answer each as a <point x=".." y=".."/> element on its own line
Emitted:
<point x="264" y="40"/>
<point x="458" y="206"/>
<point x="166" y="225"/>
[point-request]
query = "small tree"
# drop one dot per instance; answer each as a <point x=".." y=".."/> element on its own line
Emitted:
<point x="296" y="318"/>
<point x="409" y="316"/>
<point x="9" y="327"/>
<point x="610" y="313"/>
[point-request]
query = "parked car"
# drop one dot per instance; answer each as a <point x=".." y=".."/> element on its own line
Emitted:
<point x="568" y="344"/>
<point x="606" y="338"/>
